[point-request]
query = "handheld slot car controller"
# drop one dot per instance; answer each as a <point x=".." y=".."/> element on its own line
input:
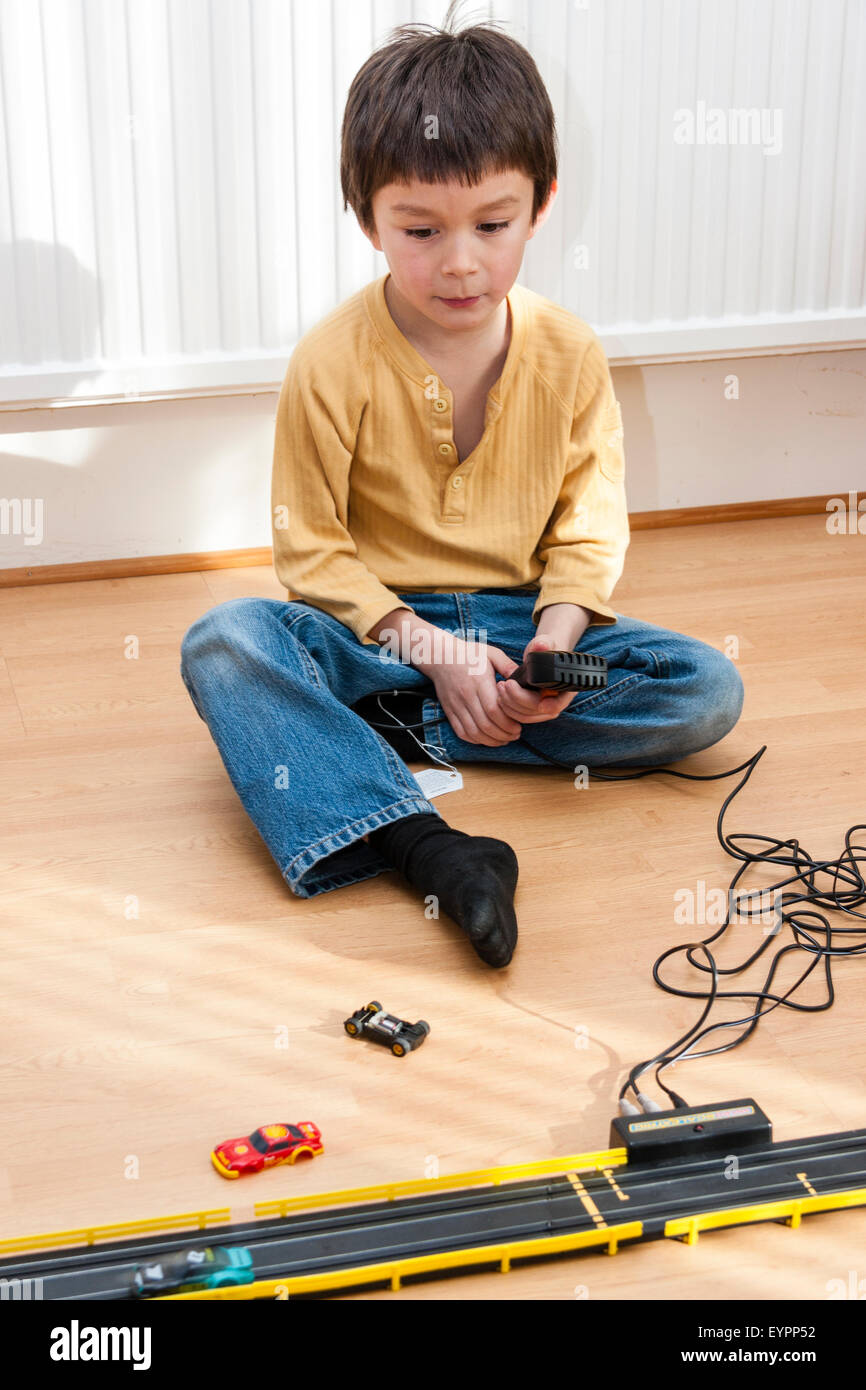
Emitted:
<point x="556" y="671"/>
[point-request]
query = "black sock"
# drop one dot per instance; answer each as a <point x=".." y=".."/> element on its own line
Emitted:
<point x="473" y="877"/>
<point x="405" y="705"/>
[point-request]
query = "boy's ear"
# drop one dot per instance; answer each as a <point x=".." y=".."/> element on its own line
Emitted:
<point x="371" y="235"/>
<point x="544" y="212"/>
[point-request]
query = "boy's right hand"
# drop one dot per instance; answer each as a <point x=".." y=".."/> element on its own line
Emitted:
<point x="465" y="681"/>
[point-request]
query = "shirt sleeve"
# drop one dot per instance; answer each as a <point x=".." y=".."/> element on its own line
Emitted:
<point x="315" y="556"/>
<point x="587" y="534"/>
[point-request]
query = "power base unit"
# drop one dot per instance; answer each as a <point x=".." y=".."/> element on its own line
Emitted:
<point x="693" y="1132"/>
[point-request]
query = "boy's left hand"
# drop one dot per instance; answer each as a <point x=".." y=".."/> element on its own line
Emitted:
<point x="532" y="706"/>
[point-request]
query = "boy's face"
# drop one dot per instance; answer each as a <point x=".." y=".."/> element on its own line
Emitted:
<point x="446" y="242"/>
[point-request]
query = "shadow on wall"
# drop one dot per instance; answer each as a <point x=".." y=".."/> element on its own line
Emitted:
<point x="50" y="307"/>
<point x="109" y="486"/>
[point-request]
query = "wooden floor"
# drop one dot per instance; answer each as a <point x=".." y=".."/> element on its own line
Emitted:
<point x="154" y="962"/>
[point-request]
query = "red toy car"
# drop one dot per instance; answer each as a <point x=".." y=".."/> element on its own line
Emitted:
<point x="265" y="1148"/>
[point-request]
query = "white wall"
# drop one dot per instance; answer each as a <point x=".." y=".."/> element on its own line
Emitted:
<point x="171" y="221"/>
<point x="170" y="477"/>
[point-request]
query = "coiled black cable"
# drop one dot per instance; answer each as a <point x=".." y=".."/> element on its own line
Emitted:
<point x="788" y="853"/>
<point x="846" y="867"/>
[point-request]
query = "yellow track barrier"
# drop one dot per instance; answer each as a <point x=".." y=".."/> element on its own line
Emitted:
<point x="88" y="1235"/>
<point x="687" y="1228"/>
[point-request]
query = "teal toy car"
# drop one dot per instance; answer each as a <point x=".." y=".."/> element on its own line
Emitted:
<point x="186" y="1271"/>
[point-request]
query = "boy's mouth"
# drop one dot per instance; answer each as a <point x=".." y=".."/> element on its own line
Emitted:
<point x="461" y="303"/>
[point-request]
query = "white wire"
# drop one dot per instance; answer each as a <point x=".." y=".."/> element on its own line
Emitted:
<point x="426" y="747"/>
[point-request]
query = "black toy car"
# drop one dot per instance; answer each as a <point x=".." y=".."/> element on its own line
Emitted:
<point x="373" y="1022"/>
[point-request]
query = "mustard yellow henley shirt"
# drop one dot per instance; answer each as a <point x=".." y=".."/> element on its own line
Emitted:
<point x="369" y="496"/>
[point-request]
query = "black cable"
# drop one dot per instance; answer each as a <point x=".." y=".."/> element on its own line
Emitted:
<point x="806" y="868"/>
<point x="845" y="868"/>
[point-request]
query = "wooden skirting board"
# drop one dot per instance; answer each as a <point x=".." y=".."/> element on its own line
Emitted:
<point x="134" y="565"/>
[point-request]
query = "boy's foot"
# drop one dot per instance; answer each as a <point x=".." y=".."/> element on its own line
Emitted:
<point x="472" y="876"/>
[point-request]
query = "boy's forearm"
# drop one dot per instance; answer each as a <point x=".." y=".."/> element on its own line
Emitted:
<point x="411" y="640"/>
<point x="564" y="624"/>
<point x="417" y="643"/>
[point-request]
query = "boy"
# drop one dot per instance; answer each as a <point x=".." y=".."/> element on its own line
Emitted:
<point x="448" y="462"/>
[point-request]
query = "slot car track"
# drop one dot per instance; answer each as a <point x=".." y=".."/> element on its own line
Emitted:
<point x="601" y="1202"/>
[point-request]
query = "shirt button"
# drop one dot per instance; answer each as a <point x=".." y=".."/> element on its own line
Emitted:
<point x="440" y="404"/>
<point x="445" y="448"/>
<point x="458" y="481"/>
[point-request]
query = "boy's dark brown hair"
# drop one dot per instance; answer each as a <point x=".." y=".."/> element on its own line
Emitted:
<point x="491" y="107"/>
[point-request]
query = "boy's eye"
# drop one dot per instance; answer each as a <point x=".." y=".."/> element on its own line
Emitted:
<point x="424" y="233"/>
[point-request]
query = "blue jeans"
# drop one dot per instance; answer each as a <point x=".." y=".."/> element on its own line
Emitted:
<point x="274" y="682"/>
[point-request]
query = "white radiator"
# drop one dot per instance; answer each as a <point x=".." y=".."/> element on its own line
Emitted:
<point x="170" y="211"/>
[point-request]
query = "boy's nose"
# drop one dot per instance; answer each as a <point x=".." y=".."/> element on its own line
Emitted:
<point x="459" y="266"/>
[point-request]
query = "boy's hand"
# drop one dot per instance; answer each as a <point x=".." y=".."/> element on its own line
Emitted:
<point x="531" y="706"/>
<point x="467" y="690"/>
